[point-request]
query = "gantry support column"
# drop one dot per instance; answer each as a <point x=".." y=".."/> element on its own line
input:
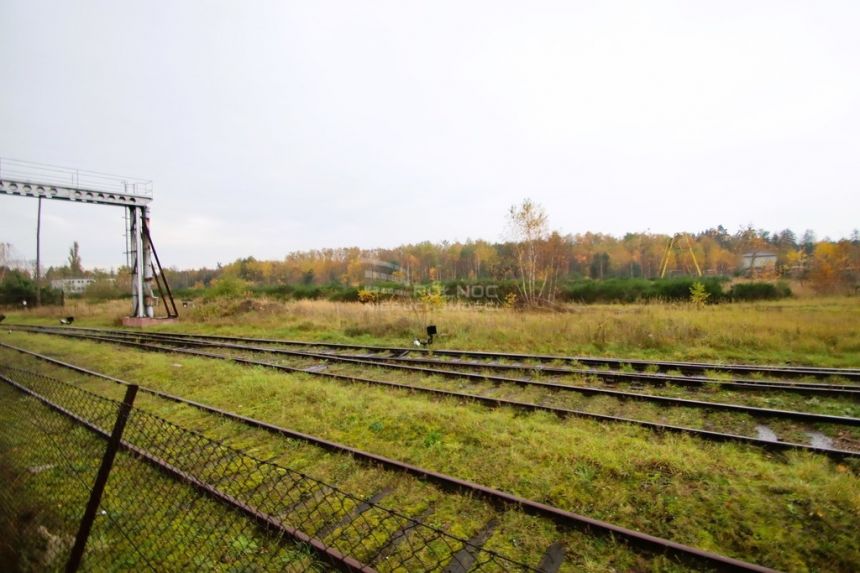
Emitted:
<point x="141" y="272"/>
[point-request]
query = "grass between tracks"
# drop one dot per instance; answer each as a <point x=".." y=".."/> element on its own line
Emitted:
<point x="795" y="512"/>
<point x="842" y="436"/>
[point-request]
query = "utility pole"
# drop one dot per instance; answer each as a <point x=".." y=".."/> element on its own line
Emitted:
<point x="38" y="255"/>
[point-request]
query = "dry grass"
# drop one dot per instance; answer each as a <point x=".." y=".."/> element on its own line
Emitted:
<point x="821" y="331"/>
<point x="814" y="331"/>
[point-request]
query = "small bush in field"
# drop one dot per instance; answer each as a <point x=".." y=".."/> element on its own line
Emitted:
<point x="227" y="287"/>
<point x="759" y="291"/>
<point x="698" y="294"/>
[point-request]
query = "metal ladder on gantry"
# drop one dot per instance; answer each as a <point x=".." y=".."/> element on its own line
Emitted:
<point x="41" y="181"/>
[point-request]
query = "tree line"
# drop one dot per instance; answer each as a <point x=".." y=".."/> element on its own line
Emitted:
<point x="539" y="260"/>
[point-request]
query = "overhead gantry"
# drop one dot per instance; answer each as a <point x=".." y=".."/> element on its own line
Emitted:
<point x="40" y="181"/>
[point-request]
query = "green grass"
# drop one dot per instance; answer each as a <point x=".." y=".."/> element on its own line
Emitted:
<point x="636" y="409"/>
<point x="796" y="512"/>
<point x="49" y="464"/>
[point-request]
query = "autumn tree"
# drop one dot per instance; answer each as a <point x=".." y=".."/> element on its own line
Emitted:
<point x="484" y="259"/>
<point x="539" y="261"/>
<point x="555" y="254"/>
<point x="832" y="268"/>
<point x="529" y="227"/>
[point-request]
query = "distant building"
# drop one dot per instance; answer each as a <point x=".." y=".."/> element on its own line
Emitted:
<point x="376" y="270"/>
<point x="757" y="261"/>
<point x="72" y="286"/>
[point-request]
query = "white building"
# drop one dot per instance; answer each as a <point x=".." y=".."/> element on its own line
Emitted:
<point x="72" y="286"/>
<point x="758" y="261"/>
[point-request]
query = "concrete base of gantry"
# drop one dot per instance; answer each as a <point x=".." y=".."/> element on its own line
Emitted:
<point x="137" y="322"/>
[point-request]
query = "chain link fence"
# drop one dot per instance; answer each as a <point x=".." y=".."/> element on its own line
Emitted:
<point x="176" y="500"/>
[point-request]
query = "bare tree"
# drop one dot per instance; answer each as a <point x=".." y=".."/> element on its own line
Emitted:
<point x="75" y="260"/>
<point x="10" y="260"/>
<point x="528" y="226"/>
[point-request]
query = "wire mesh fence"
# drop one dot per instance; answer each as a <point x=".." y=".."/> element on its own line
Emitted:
<point x="178" y="500"/>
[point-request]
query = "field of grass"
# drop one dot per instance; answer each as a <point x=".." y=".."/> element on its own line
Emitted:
<point x="796" y="512"/>
<point x="821" y="331"/>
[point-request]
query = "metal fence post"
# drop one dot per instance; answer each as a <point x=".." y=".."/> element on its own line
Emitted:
<point x="101" y="480"/>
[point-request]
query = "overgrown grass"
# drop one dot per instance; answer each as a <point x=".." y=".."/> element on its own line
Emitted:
<point x="795" y="512"/>
<point x="804" y="331"/>
<point x="460" y="515"/>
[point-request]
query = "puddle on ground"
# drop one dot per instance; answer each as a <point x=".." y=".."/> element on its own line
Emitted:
<point x="765" y="433"/>
<point x="819" y="440"/>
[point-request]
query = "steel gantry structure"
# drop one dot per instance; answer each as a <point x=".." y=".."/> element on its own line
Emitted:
<point x="41" y="181"/>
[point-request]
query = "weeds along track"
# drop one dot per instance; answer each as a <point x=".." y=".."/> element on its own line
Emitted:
<point x="800" y="379"/>
<point x="485" y="517"/>
<point x="647" y="366"/>
<point x="775" y="415"/>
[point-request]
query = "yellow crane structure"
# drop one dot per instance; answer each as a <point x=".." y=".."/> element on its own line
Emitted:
<point x="675" y="242"/>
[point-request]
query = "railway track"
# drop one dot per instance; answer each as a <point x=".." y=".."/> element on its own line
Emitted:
<point x="190" y="345"/>
<point x="553" y="556"/>
<point x="419" y="365"/>
<point x="645" y="366"/>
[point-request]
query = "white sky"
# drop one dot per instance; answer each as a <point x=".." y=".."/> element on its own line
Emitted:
<point x="274" y="126"/>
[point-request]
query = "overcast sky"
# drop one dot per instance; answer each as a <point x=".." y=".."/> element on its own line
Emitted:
<point x="275" y="126"/>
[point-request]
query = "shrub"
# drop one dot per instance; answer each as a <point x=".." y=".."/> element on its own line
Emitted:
<point x="333" y="292"/>
<point x="227" y="287"/>
<point x="344" y="294"/>
<point x="103" y="289"/>
<point x="759" y="291"/>
<point x="17" y="286"/>
<point x="698" y="294"/>
<point x="636" y="289"/>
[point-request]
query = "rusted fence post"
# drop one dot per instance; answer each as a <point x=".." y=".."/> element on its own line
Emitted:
<point x="101" y="480"/>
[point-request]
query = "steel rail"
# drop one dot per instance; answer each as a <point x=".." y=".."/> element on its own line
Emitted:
<point x="813" y="371"/>
<point x="638" y="364"/>
<point x="610" y="375"/>
<point x="638" y="377"/>
<point x="500" y="498"/>
<point x="328" y="554"/>
<point x="585" y="390"/>
<point x="779" y="446"/>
